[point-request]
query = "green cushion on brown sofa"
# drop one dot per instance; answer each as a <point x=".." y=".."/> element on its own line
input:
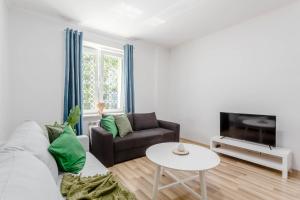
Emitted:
<point x="123" y="124"/>
<point x="108" y="124"/>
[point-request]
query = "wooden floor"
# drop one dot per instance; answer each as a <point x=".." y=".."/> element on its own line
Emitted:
<point x="232" y="180"/>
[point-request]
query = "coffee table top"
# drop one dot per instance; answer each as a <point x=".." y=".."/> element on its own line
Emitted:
<point x="198" y="159"/>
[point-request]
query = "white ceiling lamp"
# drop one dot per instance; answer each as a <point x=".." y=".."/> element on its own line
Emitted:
<point x="127" y="10"/>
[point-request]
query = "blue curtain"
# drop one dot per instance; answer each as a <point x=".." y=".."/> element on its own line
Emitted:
<point x="73" y="74"/>
<point x="128" y="78"/>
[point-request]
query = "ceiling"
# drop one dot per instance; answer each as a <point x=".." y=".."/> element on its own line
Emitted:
<point x="166" y="22"/>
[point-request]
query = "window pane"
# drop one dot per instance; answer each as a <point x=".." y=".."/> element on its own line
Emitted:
<point x="112" y="77"/>
<point x="89" y="79"/>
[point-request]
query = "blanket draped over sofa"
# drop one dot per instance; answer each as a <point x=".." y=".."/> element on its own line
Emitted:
<point x="98" y="187"/>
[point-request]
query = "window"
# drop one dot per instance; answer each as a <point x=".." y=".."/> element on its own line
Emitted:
<point x="102" y="78"/>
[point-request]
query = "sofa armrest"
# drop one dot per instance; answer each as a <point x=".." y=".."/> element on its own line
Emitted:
<point x="102" y="146"/>
<point x="85" y="142"/>
<point x="171" y="126"/>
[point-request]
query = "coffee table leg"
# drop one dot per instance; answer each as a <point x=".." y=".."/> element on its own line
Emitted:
<point x="203" y="185"/>
<point x="161" y="172"/>
<point x="156" y="182"/>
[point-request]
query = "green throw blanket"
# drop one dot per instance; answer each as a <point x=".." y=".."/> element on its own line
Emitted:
<point x="99" y="187"/>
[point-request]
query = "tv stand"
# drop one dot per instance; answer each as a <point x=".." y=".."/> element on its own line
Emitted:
<point x="275" y="158"/>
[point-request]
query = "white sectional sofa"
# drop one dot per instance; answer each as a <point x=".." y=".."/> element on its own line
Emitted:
<point x="29" y="172"/>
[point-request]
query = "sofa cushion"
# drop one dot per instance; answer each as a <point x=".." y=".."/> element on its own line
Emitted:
<point x="30" y="136"/>
<point x="68" y="152"/>
<point x="130" y="118"/>
<point x="108" y="123"/>
<point x="54" y="131"/>
<point x="23" y="176"/>
<point x="91" y="167"/>
<point x="129" y="115"/>
<point x="123" y="124"/>
<point x="140" y="139"/>
<point x="144" y="121"/>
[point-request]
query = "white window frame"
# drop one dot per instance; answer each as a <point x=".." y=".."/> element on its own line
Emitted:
<point x="101" y="51"/>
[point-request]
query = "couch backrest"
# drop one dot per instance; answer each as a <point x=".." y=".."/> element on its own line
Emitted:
<point x="23" y="176"/>
<point x="143" y="121"/>
<point x="130" y="118"/>
<point x="29" y="136"/>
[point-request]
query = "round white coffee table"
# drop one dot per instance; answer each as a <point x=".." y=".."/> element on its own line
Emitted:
<point x="199" y="159"/>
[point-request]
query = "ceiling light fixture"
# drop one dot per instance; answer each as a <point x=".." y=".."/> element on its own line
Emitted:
<point x="128" y="10"/>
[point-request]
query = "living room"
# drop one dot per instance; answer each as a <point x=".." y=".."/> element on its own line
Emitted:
<point x="192" y="61"/>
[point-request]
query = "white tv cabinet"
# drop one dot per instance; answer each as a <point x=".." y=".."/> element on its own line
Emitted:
<point x="276" y="158"/>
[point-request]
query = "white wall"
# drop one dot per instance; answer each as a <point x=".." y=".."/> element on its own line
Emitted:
<point x="4" y="86"/>
<point x="149" y="61"/>
<point x="37" y="65"/>
<point x="162" y="68"/>
<point x="36" y="53"/>
<point x="253" y="67"/>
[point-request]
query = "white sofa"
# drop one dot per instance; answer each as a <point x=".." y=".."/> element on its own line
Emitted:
<point x="28" y="170"/>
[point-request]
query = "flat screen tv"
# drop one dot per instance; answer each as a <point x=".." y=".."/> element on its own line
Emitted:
<point x="254" y="128"/>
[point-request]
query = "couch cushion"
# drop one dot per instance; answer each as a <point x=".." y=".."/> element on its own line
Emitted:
<point x="23" y="176"/>
<point x="144" y="121"/>
<point x="30" y="136"/>
<point x="123" y="124"/>
<point x="130" y="118"/>
<point x="91" y="167"/>
<point x="129" y="115"/>
<point x="54" y="131"/>
<point x="108" y="124"/>
<point x="140" y="139"/>
<point x="68" y="152"/>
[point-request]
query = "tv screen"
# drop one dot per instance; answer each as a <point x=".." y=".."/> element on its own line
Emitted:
<point x="250" y="127"/>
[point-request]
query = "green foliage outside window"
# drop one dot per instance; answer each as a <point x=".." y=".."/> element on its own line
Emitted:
<point x="111" y="76"/>
<point x="108" y="85"/>
<point x="89" y="81"/>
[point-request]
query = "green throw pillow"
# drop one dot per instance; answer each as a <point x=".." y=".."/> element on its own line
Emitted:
<point x="108" y="124"/>
<point x="54" y="131"/>
<point x="68" y="152"/>
<point x="123" y="125"/>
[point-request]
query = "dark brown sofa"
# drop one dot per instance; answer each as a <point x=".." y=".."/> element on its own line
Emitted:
<point x="147" y="131"/>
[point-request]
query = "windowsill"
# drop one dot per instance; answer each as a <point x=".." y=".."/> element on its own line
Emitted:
<point x="94" y="115"/>
<point x="90" y="115"/>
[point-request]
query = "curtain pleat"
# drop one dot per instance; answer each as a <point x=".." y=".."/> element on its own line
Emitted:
<point x="128" y="79"/>
<point x="73" y="74"/>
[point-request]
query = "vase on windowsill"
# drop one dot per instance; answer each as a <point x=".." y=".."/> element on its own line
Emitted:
<point x="100" y="106"/>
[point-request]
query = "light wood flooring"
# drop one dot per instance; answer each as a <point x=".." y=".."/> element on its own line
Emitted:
<point x="233" y="179"/>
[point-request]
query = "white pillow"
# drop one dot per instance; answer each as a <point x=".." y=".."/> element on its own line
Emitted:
<point x="23" y="176"/>
<point x="30" y="136"/>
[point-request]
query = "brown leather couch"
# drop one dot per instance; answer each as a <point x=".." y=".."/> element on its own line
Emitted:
<point x="147" y="131"/>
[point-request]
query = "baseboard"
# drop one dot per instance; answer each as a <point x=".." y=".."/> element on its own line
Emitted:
<point x="193" y="142"/>
<point x="294" y="172"/>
